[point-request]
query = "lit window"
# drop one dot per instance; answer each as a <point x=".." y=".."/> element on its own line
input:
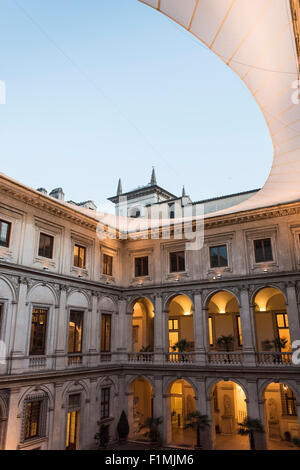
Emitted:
<point x="210" y="328"/>
<point x="46" y="246"/>
<point x="79" y="256"/>
<point x="239" y="330"/>
<point x="33" y="419"/>
<point x="263" y="250"/>
<point x="177" y="262"/>
<point x="5" y="228"/>
<point x="107" y="265"/>
<point x="73" y="422"/>
<point x="38" y="332"/>
<point x="218" y="256"/>
<point x="75" y="332"/>
<point x="105" y="333"/>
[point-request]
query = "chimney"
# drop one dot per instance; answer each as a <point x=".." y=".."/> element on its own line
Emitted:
<point x="42" y="190"/>
<point x="58" y="194"/>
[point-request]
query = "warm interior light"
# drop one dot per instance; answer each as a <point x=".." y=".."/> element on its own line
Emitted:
<point x="187" y="313"/>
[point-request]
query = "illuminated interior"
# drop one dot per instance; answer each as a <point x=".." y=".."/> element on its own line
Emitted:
<point x="228" y="409"/>
<point x="281" y="416"/>
<point x="271" y="320"/>
<point x="143" y="326"/>
<point x="224" y="321"/>
<point x="180" y="403"/>
<point x="181" y="326"/>
<point x="140" y="407"/>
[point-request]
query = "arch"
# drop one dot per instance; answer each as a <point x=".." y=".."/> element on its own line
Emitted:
<point x="39" y="389"/>
<point x="229" y="407"/>
<point x="78" y="298"/>
<point x="172" y="296"/>
<point x="148" y="378"/>
<point x="228" y="379"/>
<point x="211" y="294"/>
<point x="267" y="286"/>
<point x="140" y="405"/>
<point x="107" y="304"/>
<point x="7" y="290"/>
<point x="42" y="293"/>
<point x="281" y="417"/>
<point x="170" y="381"/>
<point x="136" y="299"/>
<point x="264" y="385"/>
<point x="181" y="337"/>
<point x="76" y="385"/>
<point x="142" y="322"/>
<point x="107" y="381"/>
<point x="212" y="24"/>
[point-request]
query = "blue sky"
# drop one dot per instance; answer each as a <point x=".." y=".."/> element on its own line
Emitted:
<point x="98" y="89"/>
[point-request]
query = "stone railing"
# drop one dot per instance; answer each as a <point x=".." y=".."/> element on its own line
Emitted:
<point x="141" y="357"/>
<point x="225" y="358"/>
<point x="180" y="357"/>
<point x="105" y="357"/>
<point x="274" y="359"/>
<point x="37" y="362"/>
<point x="75" y="360"/>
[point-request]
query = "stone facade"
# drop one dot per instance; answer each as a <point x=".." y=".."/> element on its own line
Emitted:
<point x="29" y="281"/>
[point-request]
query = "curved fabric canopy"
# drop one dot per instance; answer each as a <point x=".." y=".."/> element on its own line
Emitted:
<point x="256" y="39"/>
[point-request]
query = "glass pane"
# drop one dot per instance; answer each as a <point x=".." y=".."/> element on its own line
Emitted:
<point x="214" y="261"/>
<point x="268" y="250"/>
<point x="223" y="255"/>
<point x="211" y="341"/>
<point x="258" y="251"/>
<point x="181" y="262"/>
<point x="173" y="263"/>
<point x="280" y="321"/>
<point x="286" y="319"/>
<point x="173" y="339"/>
<point x="4" y="233"/>
<point x="175" y="324"/>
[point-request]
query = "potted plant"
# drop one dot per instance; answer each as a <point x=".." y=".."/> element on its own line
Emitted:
<point x="226" y="342"/>
<point x="102" y="436"/>
<point x="182" y="346"/>
<point x="200" y="423"/>
<point x="153" y="434"/>
<point x="249" y="427"/>
<point x="123" y="428"/>
<point x="278" y="344"/>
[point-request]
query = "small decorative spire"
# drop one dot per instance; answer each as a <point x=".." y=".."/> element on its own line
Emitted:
<point x="119" y="190"/>
<point x="183" y="192"/>
<point x="153" y="177"/>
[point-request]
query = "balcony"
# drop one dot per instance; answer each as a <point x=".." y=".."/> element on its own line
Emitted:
<point x="277" y="359"/>
<point x="180" y="358"/>
<point x="141" y="358"/>
<point x="225" y="358"/>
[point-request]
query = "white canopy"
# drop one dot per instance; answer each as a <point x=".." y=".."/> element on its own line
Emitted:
<point x="256" y="39"/>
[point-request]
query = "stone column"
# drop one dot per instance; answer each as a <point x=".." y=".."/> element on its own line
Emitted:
<point x="94" y="331"/>
<point x="199" y="332"/>
<point x="254" y="412"/>
<point x="159" y="330"/>
<point x="22" y="319"/>
<point x="247" y="326"/>
<point x="122" y="332"/>
<point x="14" y="421"/>
<point x="159" y="404"/>
<point x="203" y="407"/>
<point x="61" y="344"/>
<point x="59" y="419"/>
<point x="293" y="312"/>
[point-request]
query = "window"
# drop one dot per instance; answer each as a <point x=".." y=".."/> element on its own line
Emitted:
<point x="79" y="256"/>
<point x="172" y="210"/>
<point x="46" y="246"/>
<point x="141" y="266"/>
<point x="239" y="330"/>
<point x="288" y="401"/>
<point x="218" y="256"/>
<point x="75" y="332"/>
<point x="263" y="250"/>
<point x="105" y="333"/>
<point x="5" y="228"/>
<point x="38" y="332"/>
<point x="283" y="332"/>
<point x="105" y="403"/>
<point x="210" y="329"/>
<point x="73" y="422"/>
<point x="33" y="419"/>
<point x="107" y="265"/>
<point x="177" y="262"/>
<point x="173" y="332"/>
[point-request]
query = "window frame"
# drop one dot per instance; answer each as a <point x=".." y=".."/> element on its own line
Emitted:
<point x="82" y="333"/>
<point x="51" y="237"/>
<point x="34" y="352"/>
<point x="143" y="274"/>
<point x="8" y="234"/>
<point x="104" y="323"/>
<point x="104" y="264"/>
<point x="80" y="247"/>
<point x="262" y="240"/>
<point x="105" y="403"/>
<point x="219" y="265"/>
<point x="177" y="253"/>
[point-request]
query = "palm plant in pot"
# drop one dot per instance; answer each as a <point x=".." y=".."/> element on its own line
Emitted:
<point x="226" y="342"/>
<point x="151" y="425"/>
<point x="199" y="422"/>
<point x="102" y="436"/>
<point x="182" y="346"/>
<point x="250" y="427"/>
